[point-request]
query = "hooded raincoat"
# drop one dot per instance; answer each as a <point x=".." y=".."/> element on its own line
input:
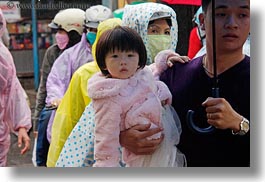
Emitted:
<point x="51" y="54"/>
<point x="75" y="100"/>
<point x="65" y="66"/>
<point x="62" y="71"/>
<point x="137" y="17"/>
<point x="14" y="110"/>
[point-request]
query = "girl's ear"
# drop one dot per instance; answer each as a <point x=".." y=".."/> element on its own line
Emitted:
<point x="105" y="69"/>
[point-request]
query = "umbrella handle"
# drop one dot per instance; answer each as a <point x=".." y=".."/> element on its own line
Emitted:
<point x="195" y="128"/>
<point x="190" y="122"/>
<point x="215" y="89"/>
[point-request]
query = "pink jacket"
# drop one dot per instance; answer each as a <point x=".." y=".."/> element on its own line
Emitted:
<point x="120" y="104"/>
<point x="14" y="110"/>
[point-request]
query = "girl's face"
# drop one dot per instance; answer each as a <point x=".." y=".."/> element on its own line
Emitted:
<point x="159" y="27"/>
<point x="122" y="65"/>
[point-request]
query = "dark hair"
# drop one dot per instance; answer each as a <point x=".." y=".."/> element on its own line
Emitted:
<point x="120" y="38"/>
<point x="205" y="4"/>
<point x="74" y="37"/>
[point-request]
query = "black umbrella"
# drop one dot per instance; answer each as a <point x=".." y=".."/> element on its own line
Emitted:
<point x="215" y="88"/>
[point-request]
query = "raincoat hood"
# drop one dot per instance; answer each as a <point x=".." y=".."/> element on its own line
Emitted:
<point x="2" y="19"/>
<point x="137" y="17"/>
<point x="7" y="66"/>
<point x="102" y="27"/>
<point x="7" y="70"/>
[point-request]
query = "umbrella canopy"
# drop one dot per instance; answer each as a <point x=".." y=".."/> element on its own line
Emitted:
<point x="184" y="2"/>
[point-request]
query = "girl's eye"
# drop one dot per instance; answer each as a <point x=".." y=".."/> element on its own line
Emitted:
<point x="114" y="56"/>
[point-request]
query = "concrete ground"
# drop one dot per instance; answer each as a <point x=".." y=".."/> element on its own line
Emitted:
<point x="14" y="157"/>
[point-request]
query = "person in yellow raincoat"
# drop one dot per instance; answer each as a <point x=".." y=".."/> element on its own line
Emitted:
<point x="75" y="100"/>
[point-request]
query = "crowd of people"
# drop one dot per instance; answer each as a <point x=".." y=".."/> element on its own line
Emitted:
<point x="114" y="92"/>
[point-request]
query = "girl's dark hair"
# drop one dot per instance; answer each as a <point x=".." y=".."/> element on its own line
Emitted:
<point x="123" y="39"/>
<point x="74" y="37"/>
<point x="205" y="4"/>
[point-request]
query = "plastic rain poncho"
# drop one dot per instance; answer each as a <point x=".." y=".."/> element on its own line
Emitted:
<point x="137" y="17"/>
<point x="62" y="71"/>
<point x="14" y="110"/>
<point x="65" y="66"/>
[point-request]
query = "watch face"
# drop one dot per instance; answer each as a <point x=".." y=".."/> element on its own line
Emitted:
<point x="245" y="126"/>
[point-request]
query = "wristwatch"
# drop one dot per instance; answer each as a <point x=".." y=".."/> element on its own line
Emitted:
<point x="244" y="127"/>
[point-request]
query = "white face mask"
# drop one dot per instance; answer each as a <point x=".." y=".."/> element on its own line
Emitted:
<point x="157" y="43"/>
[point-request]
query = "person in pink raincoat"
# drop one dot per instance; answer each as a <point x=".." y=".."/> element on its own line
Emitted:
<point x="15" y="114"/>
<point x="124" y="94"/>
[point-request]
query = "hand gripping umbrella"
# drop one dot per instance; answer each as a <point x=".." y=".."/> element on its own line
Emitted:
<point x="215" y="89"/>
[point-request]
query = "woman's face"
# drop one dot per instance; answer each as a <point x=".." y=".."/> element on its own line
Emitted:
<point x="159" y="27"/>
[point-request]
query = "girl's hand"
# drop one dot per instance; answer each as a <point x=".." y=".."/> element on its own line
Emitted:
<point x="171" y="57"/>
<point x="165" y="59"/>
<point x="177" y="58"/>
<point x="135" y="139"/>
<point x="23" y="138"/>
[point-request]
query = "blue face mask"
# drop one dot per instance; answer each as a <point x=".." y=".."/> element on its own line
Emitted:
<point x="91" y="37"/>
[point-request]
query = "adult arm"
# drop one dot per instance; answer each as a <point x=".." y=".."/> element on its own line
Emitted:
<point x="19" y="114"/>
<point x="58" y="79"/>
<point x="135" y="139"/>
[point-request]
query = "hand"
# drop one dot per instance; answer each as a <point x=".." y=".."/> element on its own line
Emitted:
<point x="23" y="137"/>
<point x="176" y="58"/>
<point x="56" y="102"/>
<point x="165" y="59"/>
<point x="134" y="139"/>
<point x="221" y="115"/>
<point x="35" y="134"/>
